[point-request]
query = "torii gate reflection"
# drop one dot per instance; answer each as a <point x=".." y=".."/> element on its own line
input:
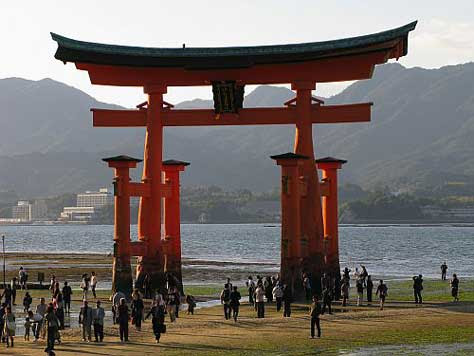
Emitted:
<point x="228" y="70"/>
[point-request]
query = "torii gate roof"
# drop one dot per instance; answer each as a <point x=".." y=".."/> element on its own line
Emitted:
<point x="344" y="59"/>
<point x="70" y="50"/>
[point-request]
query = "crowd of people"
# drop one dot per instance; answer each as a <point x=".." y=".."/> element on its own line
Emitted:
<point x="48" y="318"/>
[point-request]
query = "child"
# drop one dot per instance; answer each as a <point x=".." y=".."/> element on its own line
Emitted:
<point x="191" y="304"/>
<point x="27" y="300"/>
<point x="27" y="328"/>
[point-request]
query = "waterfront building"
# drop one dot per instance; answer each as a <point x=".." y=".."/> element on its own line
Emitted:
<point x="77" y="213"/>
<point x="95" y="199"/>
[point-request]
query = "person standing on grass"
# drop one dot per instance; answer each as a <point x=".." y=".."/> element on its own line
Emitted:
<point x="278" y="295"/>
<point x="314" y="312"/>
<point x="417" y="288"/>
<point x="137" y="309"/>
<point x="99" y="315"/>
<point x="27" y="300"/>
<point x="123" y="318"/>
<point x="345" y="291"/>
<point x="67" y="292"/>
<point x="225" y="301"/>
<point x="85" y="319"/>
<point x="327" y="298"/>
<point x="171" y="306"/>
<point x="14" y="285"/>
<point x="52" y="324"/>
<point x="251" y="289"/>
<point x="382" y="292"/>
<point x="22" y="277"/>
<point x="360" y="290"/>
<point x="85" y="286"/>
<point x="93" y="284"/>
<point x="260" y="300"/>
<point x="235" y="303"/>
<point x="9" y="326"/>
<point x="370" y="288"/>
<point x="158" y="312"/>
<point x="307" y="286"/>
<point x="60" y="309"/>
<point x="268" y="286"/>
<point x="52" y="282"/>
<point x="444" y="269"/>
<point x="287" y="300"/>
<point x="455" y="288"/>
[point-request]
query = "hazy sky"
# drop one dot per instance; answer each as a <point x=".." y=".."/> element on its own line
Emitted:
<point x="445" y="32"/>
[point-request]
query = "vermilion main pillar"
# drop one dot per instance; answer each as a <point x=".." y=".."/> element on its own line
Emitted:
<point x="329" y="167"/>
<point x="122" y="272"/>
<point x="172" y="219"/>
<point x="311" y="216"/>
<point x="149" y="216"/>
<point x="290" y="265"/>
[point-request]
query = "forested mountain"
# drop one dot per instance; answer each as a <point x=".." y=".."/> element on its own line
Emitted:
<point x="422" y="133"/>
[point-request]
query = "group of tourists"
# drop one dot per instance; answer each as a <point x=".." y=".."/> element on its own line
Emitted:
<point x="47" y="319"/>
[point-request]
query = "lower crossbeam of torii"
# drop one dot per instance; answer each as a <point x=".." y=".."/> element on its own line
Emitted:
<point x="309" y="232"/>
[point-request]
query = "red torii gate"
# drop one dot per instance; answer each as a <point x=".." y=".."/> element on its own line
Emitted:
<point x="228" y="70"/>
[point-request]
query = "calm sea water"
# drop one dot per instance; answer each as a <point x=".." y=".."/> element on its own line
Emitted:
<point x="385" y="250"/>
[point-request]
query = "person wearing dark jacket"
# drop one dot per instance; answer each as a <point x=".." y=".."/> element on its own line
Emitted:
<point x="27" y="300"/>
<point x="235" y="303"/>
<point x="417" y="288"/>
<point x="370" y="288"/>
<point x="137" y="309"/>
<point x="327" y="297"/>
<point x="123" y="318"/>
<point x="67" y="292"/>
<point x="157" y="313"/>
<point x="225" y="301"/>
<point x="314" y="312"/>
<point x="287" y="300"/>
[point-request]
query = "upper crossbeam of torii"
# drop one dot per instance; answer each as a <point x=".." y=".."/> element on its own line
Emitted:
<point x="228" y="70"/>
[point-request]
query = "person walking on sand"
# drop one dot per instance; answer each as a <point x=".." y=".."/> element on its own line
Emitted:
<point x="455" y="288"/>
<point x="137" y="309"/>
<point x="278" y="295"/>
<point x="251" y="289"/>
<point x="123" y="318"/>
<point x="225" y="301"/>
<point x="171" y="305"/>
<point x="260" y="300"/>
<point x="444" y="270"/>
<point x="41" y="309"/>
<point x="52" y="282"/>
<point x="14" y="286"/>
<point x="417" y="288"/>
<point x="370" y="288"/>
<point x="67" y="292"/>
<point x="98" y="316"/>
<point x="93" y="284"/>
<point x="7" y="295"/>
<point x="191" y="302"/>
<point x="382" y="292"/>
<point x="52" y="324"/>
<point x="9" y="326"/>
<point x="85" y="319"/>
<point x="158" y="312"/>
<point x="287" y="300"/>
<point x="235" y="303"/>
<point x="27" y="326"/>
<point x="315" y="311"/>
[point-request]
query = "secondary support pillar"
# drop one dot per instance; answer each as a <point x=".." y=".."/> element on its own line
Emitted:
<point x="291" y="244"/>
<point x="172" y="219"/>
<point x="311" y="214"/>
<point x="329" y="167"/>
<point x="122" y="271"/>
<point x="149" y="219"/>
